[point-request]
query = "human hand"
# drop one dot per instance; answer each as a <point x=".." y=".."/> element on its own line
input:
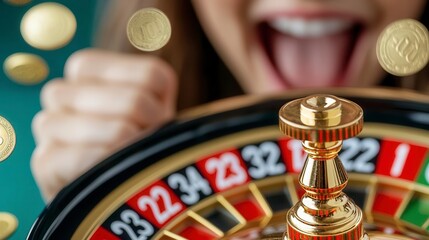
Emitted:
<point x="104" y="100"/>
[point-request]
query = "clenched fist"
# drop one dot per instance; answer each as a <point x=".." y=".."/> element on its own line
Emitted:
<point x="104" y="101"/>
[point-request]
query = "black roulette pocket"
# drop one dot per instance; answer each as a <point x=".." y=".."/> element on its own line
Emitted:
<point x="226" y="171"/>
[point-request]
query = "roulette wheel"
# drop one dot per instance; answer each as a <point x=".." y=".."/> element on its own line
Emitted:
<point x="225" y="171"/>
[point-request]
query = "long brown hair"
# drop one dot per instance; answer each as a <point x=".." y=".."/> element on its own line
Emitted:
<point x="203" y="76"/>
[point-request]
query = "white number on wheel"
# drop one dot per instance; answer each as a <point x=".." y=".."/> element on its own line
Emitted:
<point x="226" y="163"/>
<point x="298" y="155"/>
<point x="401" y="154"/>
<point x="159" y="193"/>
<point x="265" y="160"/>
<point x="362" y="151"/>
<point x="190" y="185"/>
<point x="129" y="217"/>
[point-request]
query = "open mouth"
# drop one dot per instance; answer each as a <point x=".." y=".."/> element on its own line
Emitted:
<point x="310" y="52"/>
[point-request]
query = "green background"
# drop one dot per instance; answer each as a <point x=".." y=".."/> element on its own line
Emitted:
<point x="19" y="103"/>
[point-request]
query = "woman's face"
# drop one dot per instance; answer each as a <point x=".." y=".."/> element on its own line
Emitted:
<point x="273" y="45"/>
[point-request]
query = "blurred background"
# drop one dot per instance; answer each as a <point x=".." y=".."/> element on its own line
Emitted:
<point x="19" y="103"/>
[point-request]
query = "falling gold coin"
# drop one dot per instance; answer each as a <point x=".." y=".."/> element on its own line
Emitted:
<point x="8" y="224"/>
<point x="48" y="26"/>
<point x="148" y="29"/>
<point x="25" y="68"/>
<point x="403" y="47"/>
<point x="18" y="2"/>
<point x="7" y="134"/>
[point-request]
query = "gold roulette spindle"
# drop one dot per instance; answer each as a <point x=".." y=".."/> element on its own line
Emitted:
<point x="321" y="122"/>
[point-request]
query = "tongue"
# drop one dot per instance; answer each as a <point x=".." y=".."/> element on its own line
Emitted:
<point x="311" y="62"/>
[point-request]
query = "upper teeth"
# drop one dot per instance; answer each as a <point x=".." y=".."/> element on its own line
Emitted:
<point x="300" y="27"/>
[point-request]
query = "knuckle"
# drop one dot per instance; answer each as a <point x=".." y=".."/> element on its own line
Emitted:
<point x="138" y="99"/>
<point x="36" y="161"/>
<point x="157" y="67"/>
<point x="50" y="92"/>
<point x="45" y="171"/>
<point x="169" y="114"/>
<point x="40" y="120"/>
<point x="39" y="125"/>
<point x="78" y="60"/>
<point x="145" y="109"/>
<point x="41" y="164"/>
<point x="135" y="101"/>
<point x="153" y="63"/>
<point x="168" y="71"/>
<point x="54" y="165"/>
<point x="124" y="130"/>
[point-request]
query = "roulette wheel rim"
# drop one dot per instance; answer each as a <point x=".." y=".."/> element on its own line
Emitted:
<point x="74" y="203"/>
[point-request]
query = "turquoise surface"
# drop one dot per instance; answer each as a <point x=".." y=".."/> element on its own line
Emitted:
<point x="18" y="103"/>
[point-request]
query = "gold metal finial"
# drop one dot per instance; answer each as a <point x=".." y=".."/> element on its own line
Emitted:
<point x="321" y="110"/>
<point x="321" y="118"/>
<point x="324" y="212"/>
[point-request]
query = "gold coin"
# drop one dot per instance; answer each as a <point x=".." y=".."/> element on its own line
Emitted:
<point x="8" y="224"/>
<point x="25" y="68"/>
<point x="403" y="47"/>
<point x="18" y="2"/>
<point x="48" y="26"/>
<point x="148" y="29"/>
<point x="8" y="139"/>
